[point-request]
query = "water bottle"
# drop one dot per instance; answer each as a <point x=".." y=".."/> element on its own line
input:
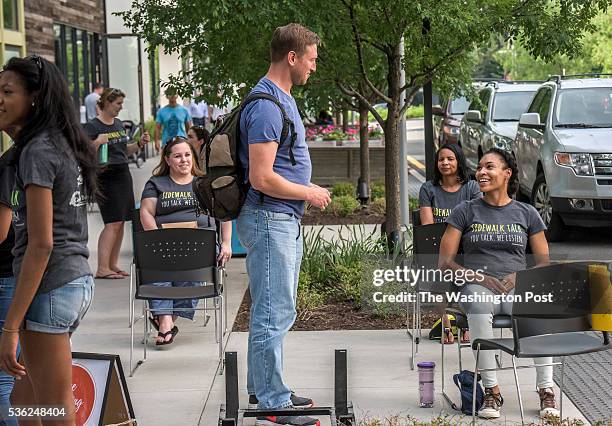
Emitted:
<point x="426" y="384"/>
<point x="103" y="153"/>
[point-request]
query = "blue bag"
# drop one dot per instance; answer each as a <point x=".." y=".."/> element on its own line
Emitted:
<point x="465" y="383"/>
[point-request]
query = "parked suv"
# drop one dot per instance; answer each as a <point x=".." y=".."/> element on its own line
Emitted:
<point x="563" y="148"/>
<point x="447" y="118"/>
<point x="492" y="118"/>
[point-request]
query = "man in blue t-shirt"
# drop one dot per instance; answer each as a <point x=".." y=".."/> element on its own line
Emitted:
<point x="269" y="222"/>
<point x="171" y="121"/>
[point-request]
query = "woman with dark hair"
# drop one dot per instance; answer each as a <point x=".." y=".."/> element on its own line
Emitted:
<point x="116" y="200"/>
<point x="450" y="186"/>
<point x="168" y="201"/>
<point x="55" y="176"/>
<point x="198" y="137"/>
<point x="494" y="232"/>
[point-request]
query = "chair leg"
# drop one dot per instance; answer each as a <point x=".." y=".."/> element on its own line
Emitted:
<point x="221" y="333"/>
<point x="498" y="356"/>
<point x="131" y="331"/>
<point x="206" y="316"/>
<point x="459" y="331"/>
<point x="145" y="332"/>
<point x="131" y="324"/>
<point x="217" y="319"/>
<point x="561" y="390"/>
<point x="474" y="386"/>
<point x="518" y="390"/>
<point x="225" y="308"/>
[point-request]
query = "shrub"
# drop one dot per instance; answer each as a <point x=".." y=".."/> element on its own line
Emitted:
<point x="378" y="190"/>
<point x="343" y="188"/>
<point x="344" y="205"/>
<point x="413" y="203"/>
<point x="379" y="205"/>
<point x="415" y="112"/>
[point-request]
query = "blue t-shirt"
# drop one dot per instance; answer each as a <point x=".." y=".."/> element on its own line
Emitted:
<point x="262" y="121"/>
<point x="173" y="122"/>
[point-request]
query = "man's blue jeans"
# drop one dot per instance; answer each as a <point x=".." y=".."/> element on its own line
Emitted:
<point x="7" y="287"/>
<point x="274" y="252"/>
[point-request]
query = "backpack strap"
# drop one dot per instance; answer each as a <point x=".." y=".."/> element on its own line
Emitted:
<point x="287" y="123"/>
<point x="456" y="380"/>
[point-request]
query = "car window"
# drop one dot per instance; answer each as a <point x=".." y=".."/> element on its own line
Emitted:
<point x="510" y="105"/>
<point x="459" y="106"/>
<point x="536" y="102"/>
<point x="545" y="104"/>
<point x="483" y="106"/>
<point x="584" y="107"/>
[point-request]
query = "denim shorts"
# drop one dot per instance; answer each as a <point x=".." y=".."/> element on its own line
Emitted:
<point x="60" y="310"/>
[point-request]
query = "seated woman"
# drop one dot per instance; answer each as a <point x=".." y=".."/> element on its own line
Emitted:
<point x="168" y="199"/>
<point x="497" y="250"/>
<point x="450" y="186"/>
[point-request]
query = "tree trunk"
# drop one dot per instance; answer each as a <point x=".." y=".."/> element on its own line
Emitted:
<point x="338" y="117"/>
<point x="345" y="119"/>
<point x="364" y="149"/>
<point x="391" y="130"/>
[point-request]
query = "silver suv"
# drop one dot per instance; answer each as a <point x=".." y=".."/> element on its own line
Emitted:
<point x="492" y="118"/>
<point x="563" y="148"/>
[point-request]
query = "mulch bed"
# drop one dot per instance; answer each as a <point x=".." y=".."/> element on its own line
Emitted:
<point x="336" y="316"/>
<point x="360" y="217"/>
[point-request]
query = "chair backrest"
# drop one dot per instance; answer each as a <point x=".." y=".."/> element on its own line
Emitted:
<point x="426" y="242"/>
<point x="176" y="254"/>
<point x="551" y="299"/>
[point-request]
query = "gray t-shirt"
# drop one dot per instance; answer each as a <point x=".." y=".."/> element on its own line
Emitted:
<point x="175" y="202"/>
<point x="90" y="105"/>
<point x="443" y="202"/>
<point x="117" y="139"/>
<point x="48" y="161"/>
<point x="495" y="238"/>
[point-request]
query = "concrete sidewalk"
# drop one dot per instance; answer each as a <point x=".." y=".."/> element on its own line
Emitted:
<point x="179" y="385"/>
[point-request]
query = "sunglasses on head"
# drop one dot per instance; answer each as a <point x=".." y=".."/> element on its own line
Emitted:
<point x="37" y="60"/>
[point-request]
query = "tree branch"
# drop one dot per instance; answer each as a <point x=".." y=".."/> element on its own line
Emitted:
<point x="349" y="91"/>
<point x="408" y="101"/>
<point x="364" y="74"/>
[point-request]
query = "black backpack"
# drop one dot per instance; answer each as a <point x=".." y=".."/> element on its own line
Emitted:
<point x="221" y="192"/>
<point x="465" y="383"/>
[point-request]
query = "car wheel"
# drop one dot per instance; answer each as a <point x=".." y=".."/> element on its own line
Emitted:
<point x="540" y="199"/>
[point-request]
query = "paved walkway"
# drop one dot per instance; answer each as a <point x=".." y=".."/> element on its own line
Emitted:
<point x="179" y="385"/>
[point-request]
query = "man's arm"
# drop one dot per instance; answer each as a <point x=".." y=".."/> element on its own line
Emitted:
<point x="156" y="136"/>
<point x="263" y="178"/>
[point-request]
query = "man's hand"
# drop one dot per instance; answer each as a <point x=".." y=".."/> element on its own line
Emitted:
<point x="318" y="197"/>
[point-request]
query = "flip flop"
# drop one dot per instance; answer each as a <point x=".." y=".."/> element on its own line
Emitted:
<point x="122" y="272"/>
<point x="172" y="334"/>
<point x="154" y="323"/>
<point x="111" y="276"/>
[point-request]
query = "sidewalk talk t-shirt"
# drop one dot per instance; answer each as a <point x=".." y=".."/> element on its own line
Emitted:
<point x="47" y="161"/>
<point x="117" y="138"/>
<point x="495" y="238"/>
<point x="7" y="180"/>
<point x="443" y="202"/>
<point x="175" y="202"/>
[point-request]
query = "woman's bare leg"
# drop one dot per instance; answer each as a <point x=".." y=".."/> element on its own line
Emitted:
<point x="48" y="362"/>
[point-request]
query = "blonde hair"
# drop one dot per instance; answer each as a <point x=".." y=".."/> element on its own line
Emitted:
<point x="109" y="95"/>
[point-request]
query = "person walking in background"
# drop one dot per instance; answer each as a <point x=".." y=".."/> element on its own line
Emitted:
<point x="91" y="102"/>
<point x="116" y="200"/>
<point x="450" y="186"/>
<point x="198" y="112"/>
<point x="168" y="198"/>
<point x="172" y="120"/>
<point x="198" y="137"/>
<point x="55" y="175"/>
<point x="7" y="279"/>
<point x="494" y="232"/>
<point x="269" y="222"/>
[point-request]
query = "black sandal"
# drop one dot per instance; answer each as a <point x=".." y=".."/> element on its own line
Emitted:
<point x="172" y="333"/>
<point x="154" y="323"/>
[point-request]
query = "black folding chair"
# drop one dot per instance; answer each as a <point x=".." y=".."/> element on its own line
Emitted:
<point x="176" y="255"/>
<point x="549" y="329"/>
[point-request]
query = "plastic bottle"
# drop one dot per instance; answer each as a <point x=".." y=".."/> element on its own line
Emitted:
<point x="103" y="153"/>
<point x="426" y="384"/>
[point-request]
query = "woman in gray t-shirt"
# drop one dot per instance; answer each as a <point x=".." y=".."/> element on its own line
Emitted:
<point x="168" y="198"/>
<point x="450" y="186"/>
<point x="494" y="232"/>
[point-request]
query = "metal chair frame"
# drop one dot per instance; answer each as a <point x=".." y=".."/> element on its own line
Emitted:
<point x="213" y="278"/>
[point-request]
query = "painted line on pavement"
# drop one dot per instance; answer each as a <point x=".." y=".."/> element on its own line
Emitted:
<point x="415" y="163"/>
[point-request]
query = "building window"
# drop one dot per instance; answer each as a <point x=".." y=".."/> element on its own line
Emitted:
<point x="76" y="55"/>
<point x="10" y="10"/>
<point x="11" y="52"/>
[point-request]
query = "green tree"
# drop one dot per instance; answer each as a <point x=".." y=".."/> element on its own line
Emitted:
<point x="229" y="42"/>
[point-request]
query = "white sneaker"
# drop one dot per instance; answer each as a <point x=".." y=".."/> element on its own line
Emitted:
<point x="548" y="405"/>
<point x="491" y="407"/>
